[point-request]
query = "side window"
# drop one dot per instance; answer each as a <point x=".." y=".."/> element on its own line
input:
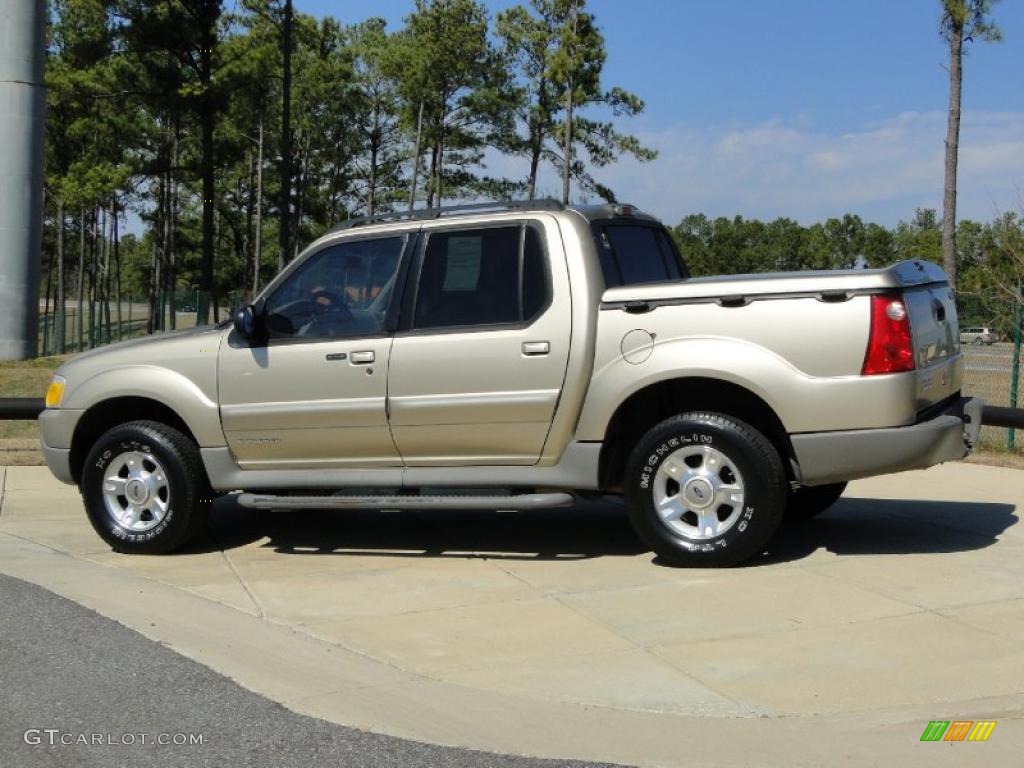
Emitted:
<point x="344" y="290"/>
<point x="481" y="277"/>
<point x="637" y="254"/>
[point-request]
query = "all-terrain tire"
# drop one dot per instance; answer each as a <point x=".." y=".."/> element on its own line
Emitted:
<point x="145" y="488"/>
<point x="711" y="454"/>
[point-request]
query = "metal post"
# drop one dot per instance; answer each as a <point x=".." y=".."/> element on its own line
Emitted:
<point x="22" y="101"/>
<point x="1015" y="368"/>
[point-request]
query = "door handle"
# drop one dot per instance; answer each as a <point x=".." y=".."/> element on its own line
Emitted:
<point x="362" y="358"/>
<point x="536" y="348"/>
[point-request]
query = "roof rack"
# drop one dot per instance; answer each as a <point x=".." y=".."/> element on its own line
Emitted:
<point x="421" y="214"/>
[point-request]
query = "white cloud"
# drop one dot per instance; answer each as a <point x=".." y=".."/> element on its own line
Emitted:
<point x="881" y="171"/>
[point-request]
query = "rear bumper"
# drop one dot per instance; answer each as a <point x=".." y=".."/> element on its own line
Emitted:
<point x="831" y="457"/>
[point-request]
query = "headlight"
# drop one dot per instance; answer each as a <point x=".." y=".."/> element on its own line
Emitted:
<point x="55" y="392"/>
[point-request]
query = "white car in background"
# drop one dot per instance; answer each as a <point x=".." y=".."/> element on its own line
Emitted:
<point x="978" y="336"/>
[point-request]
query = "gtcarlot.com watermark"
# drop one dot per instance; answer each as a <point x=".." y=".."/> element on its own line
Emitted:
<point x="54" y="737"/>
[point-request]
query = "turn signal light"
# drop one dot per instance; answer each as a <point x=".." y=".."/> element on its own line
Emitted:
<point x="55" y="392"/>
<point x="890" y="344"/>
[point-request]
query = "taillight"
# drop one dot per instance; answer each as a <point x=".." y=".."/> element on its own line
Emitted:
<point x="890" y="346"/>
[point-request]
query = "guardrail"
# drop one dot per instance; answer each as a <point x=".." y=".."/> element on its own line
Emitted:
<point x="22" y="408"/>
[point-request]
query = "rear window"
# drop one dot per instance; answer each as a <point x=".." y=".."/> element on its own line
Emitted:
<point x="636" y="253"/>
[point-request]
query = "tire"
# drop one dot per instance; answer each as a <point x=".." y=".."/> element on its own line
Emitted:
<point x="161" y="470"/>
<point x="712" y="455"/>
<point x="978" y="341"/>
<point x="811" y="500"/>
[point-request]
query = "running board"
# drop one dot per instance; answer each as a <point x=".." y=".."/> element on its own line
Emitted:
<point x="511" y="501"/>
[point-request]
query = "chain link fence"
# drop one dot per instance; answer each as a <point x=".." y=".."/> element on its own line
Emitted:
<point x="990" y="337"/>
<point x="94" y="324"/>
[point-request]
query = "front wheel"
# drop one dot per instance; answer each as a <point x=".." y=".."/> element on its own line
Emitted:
<point x="145" y="488"/>
<point x="705" y="489"/>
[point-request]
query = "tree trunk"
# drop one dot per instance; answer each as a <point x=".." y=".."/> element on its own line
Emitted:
<point x="171" y="257"/>
<point x="258" y="245"/>
<point x="534" y="165"/>
<point x="59" y="313"/>
<point x="79" y="336"/>
<point x="300" y="201"/>
<point x="284" y="231"/>
<point x="537" y="139"/>
<point x="250" y="202"/>
<point x="371" y="187"/>
<point x="117" y="266"/>
<point x="94" y="254"/>
<point x="956" y="43"/>
<point x="433" y="175"/>
<point x="567" y="149"/>
<point x="46" y="309"/>
<point x="416" y="158"/>
<point x="440" y="162"/>
<point x="105" y="276"/>
<point x="207" y="119"/>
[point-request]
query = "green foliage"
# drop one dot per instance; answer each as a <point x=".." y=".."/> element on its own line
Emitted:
<point x="556" y="48"/>
<point x="990" y="256"/>
<point x="971" y="18"/>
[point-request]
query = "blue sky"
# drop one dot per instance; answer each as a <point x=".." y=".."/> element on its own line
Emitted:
<point x="799" y="108"/>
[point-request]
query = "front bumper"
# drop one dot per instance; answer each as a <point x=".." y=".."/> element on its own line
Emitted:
<point x="57" y="427"/>
<point x="832" y="457"/>
<point x="59" y="462"/>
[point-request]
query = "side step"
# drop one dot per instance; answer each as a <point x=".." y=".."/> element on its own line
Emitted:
<point x="508" y="501"/>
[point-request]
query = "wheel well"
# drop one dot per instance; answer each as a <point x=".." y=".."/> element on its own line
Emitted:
<point x="108" y="414"/>
<point x="652" y="404"/>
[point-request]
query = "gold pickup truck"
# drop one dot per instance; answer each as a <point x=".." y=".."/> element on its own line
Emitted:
<point x="511" y="356"/>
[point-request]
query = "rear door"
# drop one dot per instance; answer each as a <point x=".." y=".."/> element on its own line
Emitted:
<point x="478" y="365"/>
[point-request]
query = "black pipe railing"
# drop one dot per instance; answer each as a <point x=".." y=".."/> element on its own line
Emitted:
<point x="996" y="416"/>
<point x="21" y="408"/>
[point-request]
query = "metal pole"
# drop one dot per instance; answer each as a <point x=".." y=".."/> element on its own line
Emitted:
<point x="22" y="101"/>
<point x="1015" y="369"/>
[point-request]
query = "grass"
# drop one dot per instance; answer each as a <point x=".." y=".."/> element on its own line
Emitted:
<point x="19" y="440"/>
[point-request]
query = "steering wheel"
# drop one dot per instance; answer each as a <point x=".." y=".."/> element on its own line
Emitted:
<point x="335" y="304"/>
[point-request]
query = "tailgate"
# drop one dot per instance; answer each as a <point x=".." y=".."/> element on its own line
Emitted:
<point x="935" y="328"/>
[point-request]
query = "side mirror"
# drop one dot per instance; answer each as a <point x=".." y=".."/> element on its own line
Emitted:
<point x="245" y="322"/>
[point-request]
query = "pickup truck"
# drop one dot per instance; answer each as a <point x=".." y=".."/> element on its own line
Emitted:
<point x="512" y="356"/>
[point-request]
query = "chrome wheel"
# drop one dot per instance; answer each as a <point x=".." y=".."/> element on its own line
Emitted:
<point x="135" y="491"/>
<point x="698" y="492"/>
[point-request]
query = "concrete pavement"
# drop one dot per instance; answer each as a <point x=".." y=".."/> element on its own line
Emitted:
<point x="553" y="634"/>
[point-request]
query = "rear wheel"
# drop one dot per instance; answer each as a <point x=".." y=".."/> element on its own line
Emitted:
<point x="811" y="500"/>
<point x="705" y="489"/>
<point x="145" y="488"/>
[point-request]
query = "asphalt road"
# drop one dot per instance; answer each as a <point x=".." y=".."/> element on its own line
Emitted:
<point x="66" y="669"/>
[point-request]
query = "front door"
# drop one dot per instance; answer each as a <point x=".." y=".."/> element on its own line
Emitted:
<point x="314" y="393"/>
<point x="478" y="365"/>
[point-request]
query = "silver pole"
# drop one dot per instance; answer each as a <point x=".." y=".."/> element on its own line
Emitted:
<point x="22" y="102"/>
